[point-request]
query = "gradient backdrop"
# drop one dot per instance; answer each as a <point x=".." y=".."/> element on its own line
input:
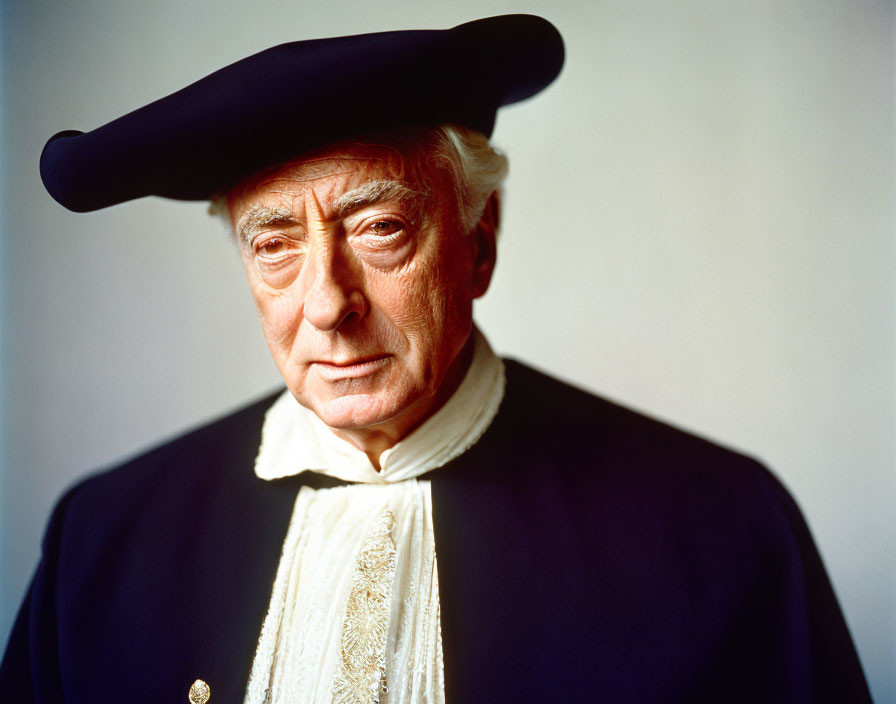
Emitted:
<point x="698" y="223"/>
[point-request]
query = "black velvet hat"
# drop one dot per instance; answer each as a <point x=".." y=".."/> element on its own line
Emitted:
<point x="294" y="97"/>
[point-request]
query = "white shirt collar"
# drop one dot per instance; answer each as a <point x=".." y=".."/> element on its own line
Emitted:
<point x="294" y="439"/>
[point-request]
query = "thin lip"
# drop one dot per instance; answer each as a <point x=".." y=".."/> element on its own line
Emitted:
<point x="341" y="364"/>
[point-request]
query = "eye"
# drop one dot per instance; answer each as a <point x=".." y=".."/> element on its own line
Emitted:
<point x="384" y="228"/>
<point x="272" y="247"/>
<point x="275" y="247"/>
<point x="382" y="239"/>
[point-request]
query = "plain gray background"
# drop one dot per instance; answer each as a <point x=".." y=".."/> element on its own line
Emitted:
<point x="698" y="223"/>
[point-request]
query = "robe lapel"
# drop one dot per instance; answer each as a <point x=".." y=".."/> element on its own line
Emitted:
<point x="469" y="501"/>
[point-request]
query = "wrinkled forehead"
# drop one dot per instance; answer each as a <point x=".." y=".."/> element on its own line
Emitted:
<point x="329" y="172"/>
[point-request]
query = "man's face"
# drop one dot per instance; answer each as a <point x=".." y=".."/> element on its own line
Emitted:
<point x="363" y="281"/>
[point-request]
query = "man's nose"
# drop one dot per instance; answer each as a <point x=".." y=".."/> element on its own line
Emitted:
<point x="333" y="295"/>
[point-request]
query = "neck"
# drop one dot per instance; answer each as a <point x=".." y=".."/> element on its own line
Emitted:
<point x="375" y="440"/>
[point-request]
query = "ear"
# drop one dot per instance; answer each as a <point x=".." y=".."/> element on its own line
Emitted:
<point x="486" y="249"/>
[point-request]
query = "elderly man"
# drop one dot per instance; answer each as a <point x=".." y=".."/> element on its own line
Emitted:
<point x="413" y="518"/>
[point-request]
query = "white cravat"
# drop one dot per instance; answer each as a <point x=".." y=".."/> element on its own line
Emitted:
<point x="308" y="649"/>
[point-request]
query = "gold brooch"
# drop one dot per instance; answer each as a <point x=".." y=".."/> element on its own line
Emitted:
<point x="200" y="692"/>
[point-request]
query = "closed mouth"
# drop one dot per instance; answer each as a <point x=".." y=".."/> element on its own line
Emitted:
<point x="352" y="368"/>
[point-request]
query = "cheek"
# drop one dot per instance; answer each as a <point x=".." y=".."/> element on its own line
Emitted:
<point x="278" y="312"/>
<point x="429" y="305"/>
<point x="407" y="296"/>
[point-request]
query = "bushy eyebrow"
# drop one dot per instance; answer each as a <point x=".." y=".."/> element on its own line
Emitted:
<point x="378" y="191"/>
<point x="259" y="217"/>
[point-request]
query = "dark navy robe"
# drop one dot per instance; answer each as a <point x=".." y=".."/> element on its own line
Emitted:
<point x="586" y="553"/>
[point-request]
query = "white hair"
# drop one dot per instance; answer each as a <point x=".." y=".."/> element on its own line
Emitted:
<point x="478" y="170"/>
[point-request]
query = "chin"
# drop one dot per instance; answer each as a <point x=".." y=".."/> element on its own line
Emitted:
<point x="357" y="411"/>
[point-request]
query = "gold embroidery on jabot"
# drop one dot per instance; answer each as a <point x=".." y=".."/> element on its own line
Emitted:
<point x="361" y="675"/>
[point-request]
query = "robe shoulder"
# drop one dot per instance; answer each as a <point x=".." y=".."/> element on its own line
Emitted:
<point x="617" y="476"/>
<point x="590" y="445"/>
<point x="667" y="566"/>
<point x="215" y="452"/>
<point x="154" y="573"/>
<point x="171" y="494"/>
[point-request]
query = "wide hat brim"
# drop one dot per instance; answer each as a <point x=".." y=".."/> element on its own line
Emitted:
<point x="279" y="103"/>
